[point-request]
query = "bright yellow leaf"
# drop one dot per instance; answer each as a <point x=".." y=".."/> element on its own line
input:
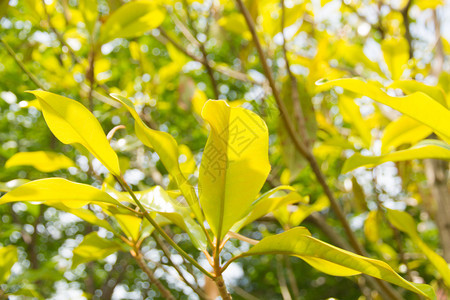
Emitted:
<point x="236" y="151"/>
<point x="57" y="190"/>
<point x="71" y="123"/>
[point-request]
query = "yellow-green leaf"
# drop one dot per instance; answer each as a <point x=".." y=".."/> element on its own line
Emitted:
<point x="269" y="202"/>
<point x="351" y="114"/>
<point x="132" y="19"/>
<point x="9" y="257"/>
<point x="403" y="130"/>
<point x="130" y="225"/>
<point x="396" y="55"/>
<point x="371" y="226"/>
<point x="234" y="166"/>
<point x="167" y="149"/>
<point x="412" y="86"/>
<point x="425" y="149"/>
<point x="332" y="260"/>
<point x="57" y="190"/>
<point x="303" y="211"/>
<point x="92" y="248"/>
<point x="44" y="161"/>
<point x="71" y="123"/>
<point x="418" y="105"/>
<point x="404" y="222"/>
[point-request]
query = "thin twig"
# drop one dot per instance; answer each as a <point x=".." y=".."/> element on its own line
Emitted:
<point x="282" y="280"/>
<point x="165" y="293"/>
<point x="294" y="85"/>
<point x="166" y="251"/>
<point x="219" y="68"/>
<point x="21" y="65"/>
<point x="200" y="45"/>
<point x="158" y="228"/>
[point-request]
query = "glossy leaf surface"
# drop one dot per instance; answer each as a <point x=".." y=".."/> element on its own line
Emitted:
<point x="236" y="151"/>
<point x="57" y="190"/>
<point x="332" y="260"/>
<point x="167" y="149"/>
<point x="71" y="123"/>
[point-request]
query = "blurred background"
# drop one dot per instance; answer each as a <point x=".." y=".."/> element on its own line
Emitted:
<point x="201" y="50"/>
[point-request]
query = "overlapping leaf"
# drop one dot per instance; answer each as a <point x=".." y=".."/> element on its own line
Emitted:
<point x="418" y="105"/>
<point x="269" y="202"/>
<point x="167" y="149"/>
<point x="404" y="130"/>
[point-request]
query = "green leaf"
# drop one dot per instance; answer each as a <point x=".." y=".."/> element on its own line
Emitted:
<point x="404" y="130"/>
<point x="71" y="123"/>
<point x="9" y="257"/>
<point x="57" y="190"/>
<point x="92" y="248"/>
<point x="425" y="149"/>
<point x="269" y="202"/>
<point x="332" y="260"/>
<point x="234" y="166"/>
<point x="404" y="222"/>
<point x="418" y="105"/>
<point x="44" y="161"/>
<point x="132" y="19"/>
<point x="412" y="86"/>
<point x="396" y="55"/>
<point x="167" y="149"/>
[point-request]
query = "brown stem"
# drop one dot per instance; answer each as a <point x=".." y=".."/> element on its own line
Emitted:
<point x="408" y="36"/>
<point x="294" y="86"/>
<point x="220" y="283"/>
<point x="165" y="293"/>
